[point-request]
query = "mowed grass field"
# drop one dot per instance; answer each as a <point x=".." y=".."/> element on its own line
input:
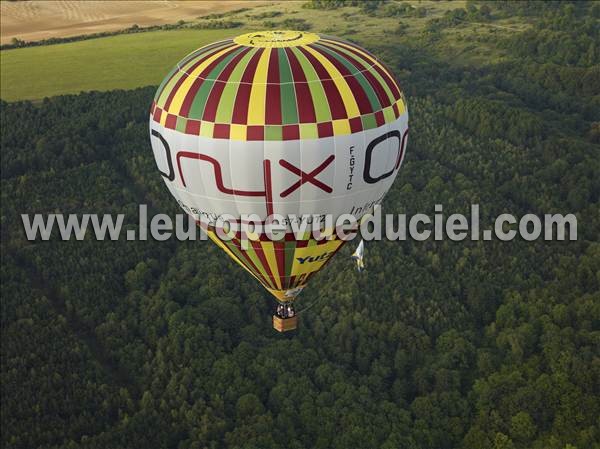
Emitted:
<point x="124" y="61"/>
<point x="128" y="61"/>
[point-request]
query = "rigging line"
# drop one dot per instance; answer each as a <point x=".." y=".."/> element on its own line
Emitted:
<point x="312" y="303"/>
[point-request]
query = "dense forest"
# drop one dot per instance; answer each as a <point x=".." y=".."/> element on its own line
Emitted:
<point x="472" y="344"/>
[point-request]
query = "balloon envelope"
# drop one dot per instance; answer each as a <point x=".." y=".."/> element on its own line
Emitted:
<point x="279" y="122"/>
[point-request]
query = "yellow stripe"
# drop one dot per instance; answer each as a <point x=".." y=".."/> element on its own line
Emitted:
<point x="258" y="94"/>
<point x="388" y="114"/>
<point x="340" y="82"/>
<point x="221" y="245"/>
<point x="269" y="252"/>
<point x="374" y="61"/>
<point x="237" y="132"/>
<point x="341" y="127"/>
<point x="312" y="258"/>
<point x="401" y="107"/>
<point x="184" y="88"/>
<point x="207" y="129"/>
<point x="163" y="117"/>
<point x="280" y="295"/>
<point x="169" y="86"/>
<point x="350" y="47"/>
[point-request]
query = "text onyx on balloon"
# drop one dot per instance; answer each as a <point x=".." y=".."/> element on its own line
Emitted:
<point x="304" y="177"/>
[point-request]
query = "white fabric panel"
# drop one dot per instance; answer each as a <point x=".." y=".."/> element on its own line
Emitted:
<point x="220" y="174"/>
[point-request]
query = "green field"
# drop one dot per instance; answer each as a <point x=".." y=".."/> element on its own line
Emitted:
<point x="133" y="60"/>
<point x="118" y="62"/>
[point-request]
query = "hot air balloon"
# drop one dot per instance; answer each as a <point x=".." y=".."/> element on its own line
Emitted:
<point x="278" y="122"/>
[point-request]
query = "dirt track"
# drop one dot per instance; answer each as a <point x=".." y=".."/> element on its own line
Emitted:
<point x="40" y="19"/>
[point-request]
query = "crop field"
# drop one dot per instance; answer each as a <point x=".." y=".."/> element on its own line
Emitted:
<point x="134" y="60"/>
<point x="33" y="20"/>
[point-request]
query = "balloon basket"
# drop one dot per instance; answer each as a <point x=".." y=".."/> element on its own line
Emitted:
<point x="285" y="324"/>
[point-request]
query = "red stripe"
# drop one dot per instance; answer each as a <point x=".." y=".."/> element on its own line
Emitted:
<point x="157" y="114"/>
<point x="384" y="100"/>
<point x="355" y="124"/>
<point x="249" y="263"/>
<point x="268" y="187"/>
<point x="306" y="109"/>
<point x="192" y="127"/>
<point x="334" y="98"/>
<point x="255" y="132"/>
<point x="291" y="132"/>
<point x="273" y="99"/>
<point x="389" y="79"/>
<point x="263" y="260"/>
<point x="221" y="131"/>
<point x="353" y="46"/>
<point x="226" y="73"/>
<point x="202" y="51"/>
<point x="385" y="73"/>
<point x="197" y="54"/>
<point x="364" y="105"/>
<point x="242" y="99"/>
<point x="193" y="90"/>
<point x="212" y="103"/>
<point x="184" y="61"/>
<point x="185" y="75"/>
<point x="280" y="257"/>
<point x="171" y="121"/>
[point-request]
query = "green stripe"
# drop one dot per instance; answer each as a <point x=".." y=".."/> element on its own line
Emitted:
<point x="214" y="74"/>
<point x="185" y="68"/>
<point x="162" y="99"/>
<point x="197" y="108"/>
<point x="290" y="250"/>
<point x="254" y="257"/>
<point x="375" y="104"/>
<point x="204" y="50"/>
<point x="368" y="121"/>
<point x="234" y="250"/>
<point x="383" y="84"/>
<point x="289" y="111"/>
<point x="225" y="108"/>
<point x="388" y="114"/>
<point x="180" y="124"/>
<point x="159" y="91"/>
<point x="317" y="92"/>
<point x="273" y="132"/>
<point x="367" y="65"/>
<point x="201" y="97"/>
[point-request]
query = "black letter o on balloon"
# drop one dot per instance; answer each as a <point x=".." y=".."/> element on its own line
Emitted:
<point x="171" y="175"/>
<point x="367" y="170"/>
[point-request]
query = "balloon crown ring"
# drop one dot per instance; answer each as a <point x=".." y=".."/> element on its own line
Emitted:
<point x="276" y="39"/>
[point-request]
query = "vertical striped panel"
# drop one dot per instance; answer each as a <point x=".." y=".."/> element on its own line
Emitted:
<point x="242" y="99"/>
<point x="258" y="92"/>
